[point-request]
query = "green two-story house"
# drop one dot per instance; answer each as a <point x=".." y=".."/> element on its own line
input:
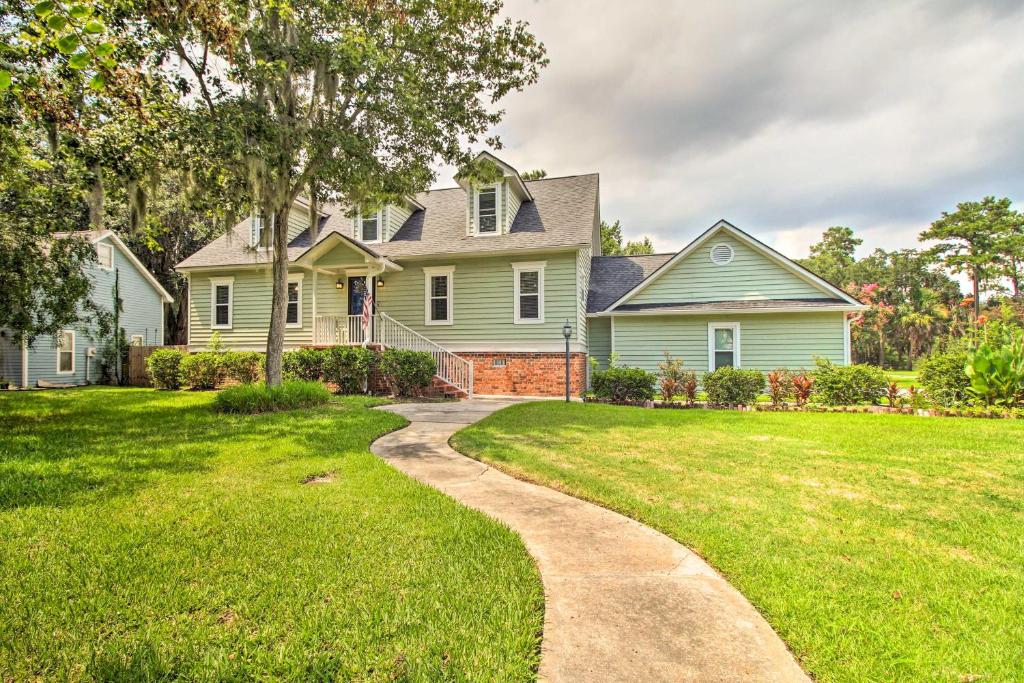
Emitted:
<point x="486" y="278"/>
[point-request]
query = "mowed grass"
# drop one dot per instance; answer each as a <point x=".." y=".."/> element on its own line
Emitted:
<point x="143" y="536"/>
<point x="880" y="547"/>
<point x="904" y="378"/>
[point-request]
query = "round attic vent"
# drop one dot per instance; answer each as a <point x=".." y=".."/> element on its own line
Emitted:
<point x="721" y="254"/>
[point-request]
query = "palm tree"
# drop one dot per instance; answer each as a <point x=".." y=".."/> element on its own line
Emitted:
<point x="922" y="320"/>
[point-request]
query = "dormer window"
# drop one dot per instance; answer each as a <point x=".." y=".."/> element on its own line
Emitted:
<point x="262" y="238"/>
<point x="369" y="227"/>
<point x="487" y="211"/>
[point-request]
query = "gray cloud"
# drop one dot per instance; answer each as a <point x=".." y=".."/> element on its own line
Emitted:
<point x="784" y="117"/>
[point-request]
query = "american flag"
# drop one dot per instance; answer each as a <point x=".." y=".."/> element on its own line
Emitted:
<point x="367" y="311"/>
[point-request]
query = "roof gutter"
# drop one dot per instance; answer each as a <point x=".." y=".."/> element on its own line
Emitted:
<point x="732" y="311"/>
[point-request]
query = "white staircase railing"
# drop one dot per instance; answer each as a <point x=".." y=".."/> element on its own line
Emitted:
<point x="338" y="330"/>
<point x="453" y="369"/>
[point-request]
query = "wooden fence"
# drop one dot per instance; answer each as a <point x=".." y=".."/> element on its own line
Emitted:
<point x="137" y="356"/>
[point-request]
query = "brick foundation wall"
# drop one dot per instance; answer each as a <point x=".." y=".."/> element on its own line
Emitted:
<point x="526" y="374"/>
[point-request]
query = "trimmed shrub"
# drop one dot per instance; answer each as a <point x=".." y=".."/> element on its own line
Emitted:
<point x="690" y="387"/>
<point x="847" y="385"/>
<point x="671" y="374"/>
<point x="303" y="364"/>
<point x="259" y="398"/>
<point x="347" y="367"/>
<point x="624" y="384"/>
<point x="407" y="372"/>
<point x="164" y="368"/>
<point x="203" y="370"/>
<point x="780" y="383"/>
<point x="803" y="385"/>
<point x="729" y="386"/>
<point x="243" y="366"/>
<point x="945" y="379"/>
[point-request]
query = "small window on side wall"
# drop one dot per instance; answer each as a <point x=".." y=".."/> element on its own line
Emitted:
<point x="438" y="299"/>
<point x="221" y="299"/>
<point x="137" y="340"/>
<point x="528" y="292"/>
<point x="105" y="256"/>
<point x="723" y="345"/>
<point x="66" y="352"/>
<point x="293" y="316"/>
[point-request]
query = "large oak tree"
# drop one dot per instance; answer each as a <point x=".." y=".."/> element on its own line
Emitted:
<point x="349" y="101"/>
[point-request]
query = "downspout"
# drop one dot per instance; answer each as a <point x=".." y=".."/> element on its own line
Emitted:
<point x="24" y="364"/>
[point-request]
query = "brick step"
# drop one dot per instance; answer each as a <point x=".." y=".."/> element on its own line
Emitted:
<point x="442" y="388"/>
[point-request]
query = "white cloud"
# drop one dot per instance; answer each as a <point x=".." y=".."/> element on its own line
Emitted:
<point x="783" y="117"/>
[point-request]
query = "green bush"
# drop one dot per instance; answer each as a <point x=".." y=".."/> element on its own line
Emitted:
<point x="304" y="364"/>
<point x="944" y="377"/>
<point x="729" y="386"/>
<point x="259" y="398"/>
<point x="203" y="370"/>
<point x="347" y="367"/>
<point x="623" y="384"/>
<point x="243" y="366"/>
<point x="164" y="368"/>
<point x="407" y="372"/>
<point x="847" y="385"/>
<point x="996" y="370"/>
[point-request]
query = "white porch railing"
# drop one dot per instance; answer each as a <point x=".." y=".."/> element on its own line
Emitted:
<point x="388" y="332"/>
<point x="338" y="330"/>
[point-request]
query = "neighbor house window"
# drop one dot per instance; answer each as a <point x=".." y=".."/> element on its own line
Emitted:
<point x="293" y="317"/>
<point x="66" y="352"/>
<point x="137" y="340"/>
<point x="369" y="227"/>
<point x="529" y="292"/>
<point x="723" y="345"/>
<point x="262" y="238"/>
<point x="487" y="211"/>
<point x="438" y="284"/>
<point x="105" y="256"/>
<point x="222" y="298"/>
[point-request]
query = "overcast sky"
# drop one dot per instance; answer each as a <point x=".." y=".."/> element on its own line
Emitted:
<point x="781" y="117"/>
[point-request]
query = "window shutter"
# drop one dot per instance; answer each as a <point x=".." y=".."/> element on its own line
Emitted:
<point x="502" y="207"/>
<point x="254" y="226"/>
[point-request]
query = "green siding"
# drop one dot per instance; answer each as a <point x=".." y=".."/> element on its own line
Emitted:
<point x="483" y="307"/>
<point x="329" y="299"/>
<point x="250" y="310"/>
<point x="394" y="219"/>
<point x="582" y="285"/>
<point x="342" y="255"/>
<point x="749" y="276"/>
<point x="767" y="341"/>
<point x="298" y="220"/>
<point x="600" y="339"/>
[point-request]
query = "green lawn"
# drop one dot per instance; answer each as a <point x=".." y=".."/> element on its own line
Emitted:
<point x="880" y="547"/>
<point x="143" y="536"/>
<point x="904" y="378"/>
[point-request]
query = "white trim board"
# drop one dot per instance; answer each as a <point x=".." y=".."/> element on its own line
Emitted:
<point x="729" y="311"/>
<point x="528" y="267"/>
<point x="758" y="246"/>
<point x="435" y="271"/>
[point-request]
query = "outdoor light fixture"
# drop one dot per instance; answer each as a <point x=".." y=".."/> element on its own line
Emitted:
<point x="340" y="284"/>
<point x="566" y="332"/>
<point x="380" y="281"/>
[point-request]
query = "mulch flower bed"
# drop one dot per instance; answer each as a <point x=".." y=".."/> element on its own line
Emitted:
<point x="978" y="412"/>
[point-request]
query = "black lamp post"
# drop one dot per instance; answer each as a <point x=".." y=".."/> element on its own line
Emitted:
<point x="567" y="332"/>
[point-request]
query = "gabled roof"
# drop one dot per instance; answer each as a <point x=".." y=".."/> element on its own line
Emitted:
<point x="93" y="237"/>
<point x="331" y="239"/>
<point x="613" y="276"/>
<point x="562" y="215"/>
<point x="724" y="226"/>
<point x="509" y="172"/>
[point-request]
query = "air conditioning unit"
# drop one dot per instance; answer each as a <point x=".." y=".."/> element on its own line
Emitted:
<point x="90" y="352"/>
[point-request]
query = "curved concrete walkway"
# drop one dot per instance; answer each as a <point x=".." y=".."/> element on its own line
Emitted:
<point x="622" y="601"/>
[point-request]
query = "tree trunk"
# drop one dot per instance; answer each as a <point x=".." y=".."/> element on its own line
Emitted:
<point x="881" y="349"/>
<point x="912" y="353"/>
<point x="279" y="298"/>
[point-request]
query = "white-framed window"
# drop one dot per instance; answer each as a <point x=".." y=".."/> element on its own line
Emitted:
<point x="105" y="256"/>
<point x="438" y="298"/>
<point x="222" y="297"/>
<point x="293" y="315"/>
<point x="487" y="210"/>
<point x="370" y="226"/>
<point x="528" y="295"/>
<point x="262" y="238"/>
<point x="66" y="352"/>
<point x="137" y="340"/>
<point x="723" y="345"/>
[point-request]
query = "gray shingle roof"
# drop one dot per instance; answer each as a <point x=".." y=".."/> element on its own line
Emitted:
<point x="613" y="276"/>
<point x="734" y="305"/>
<point x="563" y="214"/>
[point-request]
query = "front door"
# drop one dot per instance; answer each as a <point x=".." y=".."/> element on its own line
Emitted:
<point x="356" y="294"/>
